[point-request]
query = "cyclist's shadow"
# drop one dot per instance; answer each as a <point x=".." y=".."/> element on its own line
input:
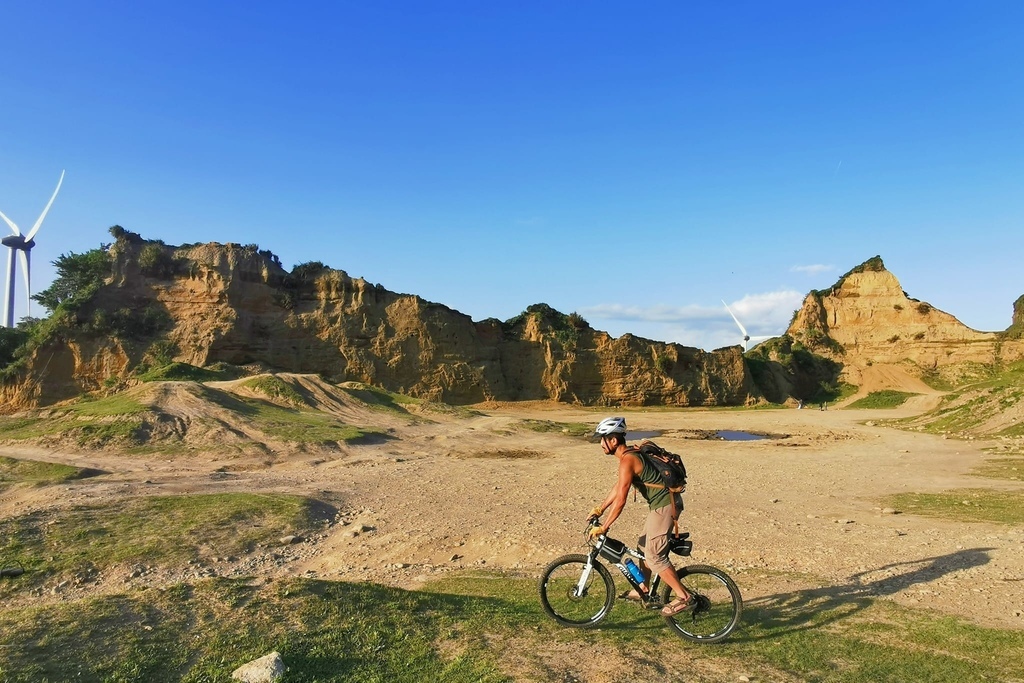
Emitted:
<point x="802" y="609"/>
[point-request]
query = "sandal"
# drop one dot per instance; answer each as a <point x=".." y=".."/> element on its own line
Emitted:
<point x="678" y="605"/>
<point x="630" y="595"/>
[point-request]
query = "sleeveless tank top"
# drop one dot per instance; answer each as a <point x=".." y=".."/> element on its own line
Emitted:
<point x="656" y="498"/>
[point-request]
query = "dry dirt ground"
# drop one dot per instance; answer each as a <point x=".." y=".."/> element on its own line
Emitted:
<point x="457" y="493"/>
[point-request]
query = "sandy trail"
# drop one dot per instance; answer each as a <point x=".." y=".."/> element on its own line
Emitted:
<point x="481" y="492"/>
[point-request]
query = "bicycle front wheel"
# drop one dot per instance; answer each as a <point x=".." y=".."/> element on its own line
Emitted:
<point x="717" y="609"/>
<point x="569" y="599"/>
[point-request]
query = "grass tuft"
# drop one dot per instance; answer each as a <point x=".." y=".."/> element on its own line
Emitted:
<point x="15" y="471"/>
<point x="965" y="505"/>
<point x="183" y="372"/>
<point x="481" y="627"/>
<point x="882" y="399"/>
<point x="275" y="388"/>
<point x="160" y="529"/>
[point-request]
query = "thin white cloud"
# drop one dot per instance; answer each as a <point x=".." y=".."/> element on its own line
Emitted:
<point x="814" y="269"/>
<point x="661" y="314"/>
<point x="707" y="327"/>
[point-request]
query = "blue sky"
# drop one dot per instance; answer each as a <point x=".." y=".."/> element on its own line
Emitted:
<point x="637" y="164"/>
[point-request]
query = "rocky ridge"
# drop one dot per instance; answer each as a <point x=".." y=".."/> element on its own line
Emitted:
<point x="211" y="303"/>
<point x="866" y="319"/>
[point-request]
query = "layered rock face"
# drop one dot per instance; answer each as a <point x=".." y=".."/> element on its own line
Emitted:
<point x="867" y="318"/>
<point x="233" y="304"/>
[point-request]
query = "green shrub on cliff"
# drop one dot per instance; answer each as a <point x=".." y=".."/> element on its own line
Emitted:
<point x="564" y="328"/>
<point x="872" y="265"/>
<point x="78" y="278"/>
<point x="11" y="340"/>
<point x="182" y="372"/>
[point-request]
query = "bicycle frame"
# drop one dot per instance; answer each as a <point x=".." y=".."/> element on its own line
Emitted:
<point x="616" y="553"/>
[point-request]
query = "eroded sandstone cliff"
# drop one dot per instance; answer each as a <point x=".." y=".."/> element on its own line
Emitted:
<point x="212" y="303"/>
<point x="866" y="319"/>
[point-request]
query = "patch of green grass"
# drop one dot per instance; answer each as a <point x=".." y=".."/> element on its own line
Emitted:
<point x="375" y="397"/>
<point x="182" y="372"/>
<point x="275" y="387"/>
<point x="110" y="406"/>
<point x="846" y="390"/>
<point x="18" y="428"/>
<point x="15" y="471"/>
<point x="307" y="426"/>
<point x="292" y="424"/>
<point x="90" y="422"/>
<point x="324" y="632"/>
<point x="567" y="428"/>
<point x="882" y="399"/>
<point x="838" y="635"/>
<point x="1001" y="468"/>
<point x="160" y="529"/>
<point x="480" y="628"/>
<point x="972" y="406"/>
<point x="965" y="505"/>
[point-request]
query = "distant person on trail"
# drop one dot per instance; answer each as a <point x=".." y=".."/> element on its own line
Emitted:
<point x="636" y="472"/>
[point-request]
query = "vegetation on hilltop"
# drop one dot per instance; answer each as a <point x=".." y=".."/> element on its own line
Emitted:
<point x="566" y="328"/>
<point x="872" y="265"/>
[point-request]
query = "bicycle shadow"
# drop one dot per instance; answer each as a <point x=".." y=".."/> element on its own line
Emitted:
<point x="802" y="610"/>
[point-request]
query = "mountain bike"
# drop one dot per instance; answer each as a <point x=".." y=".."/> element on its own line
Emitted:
<point x="578" y="591"/>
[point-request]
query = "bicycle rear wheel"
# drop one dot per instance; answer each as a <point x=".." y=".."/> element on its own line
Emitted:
<point x="718" y="607"/>
<point x="563" y="600"/>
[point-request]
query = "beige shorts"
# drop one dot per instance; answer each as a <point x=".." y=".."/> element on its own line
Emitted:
<point x="655" y="538"/>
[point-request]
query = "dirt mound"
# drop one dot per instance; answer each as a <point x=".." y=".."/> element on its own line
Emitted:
<point x="261" y="415"/>
<point x="881" y="377"/>
<point x="351" y="402"/>
<point x="991" y="408"/>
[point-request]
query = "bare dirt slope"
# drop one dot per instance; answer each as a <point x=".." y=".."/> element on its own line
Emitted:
<point x="880" y="377"/>
<point x="458" y="493"/>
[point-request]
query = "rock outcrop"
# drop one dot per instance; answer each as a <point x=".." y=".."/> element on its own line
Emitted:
<point x="211" y="303"/>
<point x="866" y="319"/>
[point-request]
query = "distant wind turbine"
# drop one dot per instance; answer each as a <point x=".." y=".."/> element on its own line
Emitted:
<point x="22" y="246"/>
<point x="743" y="330"/>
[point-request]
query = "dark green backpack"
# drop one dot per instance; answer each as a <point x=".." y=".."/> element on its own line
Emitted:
<point x="669" y="465"/>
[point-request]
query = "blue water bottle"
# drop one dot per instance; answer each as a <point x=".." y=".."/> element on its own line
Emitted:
<point x="635" y="572"/>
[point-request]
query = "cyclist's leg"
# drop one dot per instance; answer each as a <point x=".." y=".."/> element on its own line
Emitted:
<point x="656" y="529"/>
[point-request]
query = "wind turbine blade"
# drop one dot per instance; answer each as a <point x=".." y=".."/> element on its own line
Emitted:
<point x="10" y="223"/>
<point x="738" y="323"/>
<point x="39" y="221"/>
<point x="26" y="270"/>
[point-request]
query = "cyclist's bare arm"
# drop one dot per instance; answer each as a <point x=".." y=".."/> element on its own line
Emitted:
<point x="616" y="500"/>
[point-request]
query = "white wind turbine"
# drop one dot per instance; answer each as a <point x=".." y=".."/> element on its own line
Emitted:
<point x="22" y="246"/>
<point x="743" y="330"/>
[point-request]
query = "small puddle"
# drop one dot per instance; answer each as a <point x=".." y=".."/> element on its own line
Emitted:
<point x="730" y="435"/>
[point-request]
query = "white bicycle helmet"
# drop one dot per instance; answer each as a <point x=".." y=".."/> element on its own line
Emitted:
<point x="611" y="425"/>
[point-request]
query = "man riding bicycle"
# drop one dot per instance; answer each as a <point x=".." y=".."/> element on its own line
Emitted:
<point x="636" y="472"/>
